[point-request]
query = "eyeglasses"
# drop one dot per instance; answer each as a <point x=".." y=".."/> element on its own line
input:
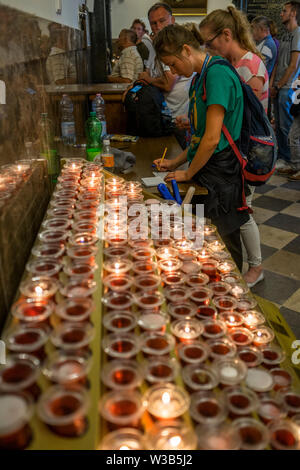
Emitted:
<point x="208" y="43"/>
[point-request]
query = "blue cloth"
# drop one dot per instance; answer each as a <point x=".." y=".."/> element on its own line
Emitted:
<point x="268" y="49"/>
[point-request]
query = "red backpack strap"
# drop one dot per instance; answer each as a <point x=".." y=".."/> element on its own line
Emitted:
<point x="243" y="163"/>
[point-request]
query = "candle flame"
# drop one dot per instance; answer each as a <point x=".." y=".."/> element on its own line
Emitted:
<point x="175" y="441"/>
<point x="166" y="398"/>
<point x="19" y="167"/>
<point x="38" y="290"/>
<point x="124" y="448"/>
<point x="231" y="319"/>
<point x="259" y="333"/>
<point x="187" y="329"/>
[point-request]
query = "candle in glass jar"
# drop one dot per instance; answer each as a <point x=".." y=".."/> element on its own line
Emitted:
<point x="166" y="401"/>
<point x="262" y="336"/>
<point x="187" y="330"/>
<point x="216" y="246"/>
<point x="169" y="265"/>
<point x="226" y="267"/>
<point x="253" y="319"/>
<point x="171" y="436"/>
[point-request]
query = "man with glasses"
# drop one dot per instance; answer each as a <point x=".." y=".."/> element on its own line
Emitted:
<point x="175" y="88"/>
<point x="285" y="73"/>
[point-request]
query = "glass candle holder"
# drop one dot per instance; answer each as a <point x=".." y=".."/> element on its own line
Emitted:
<point x="221" y="437"/>
<point x="282" y="379"/>
<point x="216" y="246"/>
<point x="140" y="243"/>
<point x="32" y="311"/>
<point x="123" y="439"/>
<point x="270" y="409"/>
<point x="170" y="435"/>
<point x="197" y="280"/>
<point x="225" y="303"/>
<point x="121" y="345"/>
<point x="259" y="380"/>
<point x="83" y="239"/>
<point x="169" y="265"/>
<point x="231" y="278"/>
<point x="272" y="356"/>
<point x="284" y="435"/>
<point x="119" y="321"/>
<point x="231" y="371"/>
<point x="199" y="377"/>
<point x="253" y="319"/>
<point x="222" y="347"/>
<point x="204" y="255"/>
<point x="87" y="206"/>
<point x="182" y="310"/>
<point x="291" y="402"/>
<point x="67" y="368"/>
<point x="156" y="344"/>
<point x="183" y="244"/>
<point x="209" y="267"/>
<point x="82" y="254"/>
<point x="206" y="312"/>
<point x="118" y="300"/>
<point x="200" y="295"/>
<point x="193" y="352"/>
<point x="144" y="267"/>
<point x="64" y="410"/>
<point x="245" y="303"/>
<point x="177" y="294"/>
<point x="187" y="330"/>
<point x="241" y="402"/>
<point x="75" y="310"/>
<point x="251" y="355"/>
<point x="149" y="300"/>
<point x="219" y="288"/>
<point x="209" y="230"/>
<point x="208" y="408"/>
<point x="20" y="374"/>
<point x="166" y="252"/>
<point x="190" y="267"/>
<point x="87" y="227"/>
<point x="122" y="375"/>
<point x="213" y="329"/>
<point x="53" y="236"/>
<point x="80" y="271"/>
<point x="57" y="224"/>
<point x="220" y="256"/>
<point x="141" y="254"/>
<point x="117" y="266"/>
<point x="122" y="409"/>
<point x="262" y="336"/>
<point x="152" y="321"/>
<point x="86" y="216"/>
<point x="239" y="290"/>
<point x="175" y="279"/>
<point x="226" y="267"/>
<point x="39" y="288"/>
<point x="16" y="410"/>
<point x="160" y="369"/>
<point x="79" y="288"/>
<point x="118" y="282"/>
<point x="44" y="267"/>
<point x="28" y="340"/>
<point x="166" y="401"/>
<point x="116" y="252"/>
<point x="232" y="319"/>
<point x="54" y="252"/>
<point x="147" y="282"/>
<point x="241" y="336"/>
<point x="254" y="435"/>
<point x="73" y="336"/>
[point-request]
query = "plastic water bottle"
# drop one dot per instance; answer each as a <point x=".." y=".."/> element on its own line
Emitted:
<point x="107" y="156"/>
<point x="47" y="148"/>
<point x="98" y="106"/>
<point x="67" y="120"/>
<point x="93" y="131"/>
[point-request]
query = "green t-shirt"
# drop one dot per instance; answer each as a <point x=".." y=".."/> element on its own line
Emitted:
<point x="223" y="88"/>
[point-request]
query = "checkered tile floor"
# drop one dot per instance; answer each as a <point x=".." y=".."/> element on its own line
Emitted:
<point x="276" y="208"/>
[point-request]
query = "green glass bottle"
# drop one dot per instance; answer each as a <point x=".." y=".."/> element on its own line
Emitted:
<point x="93" y="131"/>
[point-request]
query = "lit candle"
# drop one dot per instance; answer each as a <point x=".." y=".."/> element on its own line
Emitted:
<point x="173" y="436"/>
<point x="216" y="246"/>
<point x="166" y="401"/>
<point x="262" y="336"/>
<point x="226" y="267"/>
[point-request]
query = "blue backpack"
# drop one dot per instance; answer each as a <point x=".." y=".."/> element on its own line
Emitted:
<point x="256" y="149"/>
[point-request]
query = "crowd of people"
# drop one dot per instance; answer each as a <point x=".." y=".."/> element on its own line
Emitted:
<point x="178" y="60"/>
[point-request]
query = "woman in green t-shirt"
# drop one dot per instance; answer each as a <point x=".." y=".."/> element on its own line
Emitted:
<point x="211" y="161"/>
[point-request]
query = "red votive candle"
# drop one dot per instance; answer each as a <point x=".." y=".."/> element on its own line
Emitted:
<point x="64" y="410"/>
<point x="82" y="254"/>
<point x="122" y="375"/>
<point x="121" y="345"/>
<point x="193" y="352"/>
<point x="118" y="300"/>
<point x="291" y="402"/>
<point x="241" y="336"/>
<point x="284" y="435"/>
<point x="44" y="267"/>
<point x="225" y="303"/>
<point x="207" y="408"/>
<point x="156" y="344"/>
<point x="73" y="336"/>
<point x="119" y="322"/>
<point x="16" y="409"/>
<point x="251" y="355"/>
<point x="213" y="329"/>
<point x="272" y="356"/>
<point x="173" y="279"/>
<point x="199" y="377"/>
<point x="254" y="435"/>
<point x="182" y="310"/>
<point x="282" y="379"/>
<point x="210" y="268"/>
<point x="75" y="310"/>
<point x="54" y="252"/>
<point x="219" y="288"/>
<point x="177" y="294"/>
<point x="221" y="347"/>
<point x="200" y="295"/>
<point x="29" y="340"/>
<point x="80" y="270"/>
<point x="32" y="311"/>
<point x="206" y="312"/>
<point x="241" y="402"/>
<point x="20" y="374"/>
<point x="54" y="236"/>
<point x="122" y="409"/>
<point x="160" y="369"/>
<point x="149" y="300"/>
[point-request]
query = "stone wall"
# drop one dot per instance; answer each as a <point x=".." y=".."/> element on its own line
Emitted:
<point x="269" y="8"/>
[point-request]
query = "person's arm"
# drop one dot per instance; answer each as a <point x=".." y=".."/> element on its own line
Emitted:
<point x="273" y="75"/>
<point x="164" y="83"/>
<point x="208" y="144"/>
<point x="172" y="164"/>
<point x="115" y="79"/>
<point x="257" y="84"/>
<point x="291" y="70"/>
